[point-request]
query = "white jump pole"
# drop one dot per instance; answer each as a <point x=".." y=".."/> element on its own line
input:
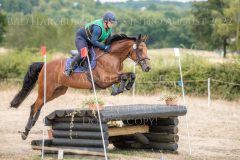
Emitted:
<point x="208" y="92"/>
<point x="134" y="84"/>
<point x="99" y="118"/>
<point x="44" y="54"/>
<point x="178" y="54"/>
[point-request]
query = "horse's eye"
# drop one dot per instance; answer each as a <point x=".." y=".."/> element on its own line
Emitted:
<point x="140" y="50"/>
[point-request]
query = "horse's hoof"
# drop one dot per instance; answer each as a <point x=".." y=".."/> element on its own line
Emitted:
<point x="24" y="137"/>
<point x="114" y="91"/>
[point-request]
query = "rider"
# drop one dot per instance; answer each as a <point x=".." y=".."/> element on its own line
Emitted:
<point x="92" y="34"/>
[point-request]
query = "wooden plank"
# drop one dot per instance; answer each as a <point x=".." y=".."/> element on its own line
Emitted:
<point x="75" y="156"/>
<point x="79" y="134"/>
<point x="160" y="111"/>
<point x="79" y="142"/>
<point x="117" y="131"/>
<point x="162" y="137"/>
<point x="79" y="127"/>
<point x="53" y="148"/>
<point x="60" y="113"/>
<point x="164" y="129"/>
<point x="75" y="148"/>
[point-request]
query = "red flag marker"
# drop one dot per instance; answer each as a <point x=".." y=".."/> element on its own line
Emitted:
<point x="84" y="52"/>
<point x="43" y="50"/>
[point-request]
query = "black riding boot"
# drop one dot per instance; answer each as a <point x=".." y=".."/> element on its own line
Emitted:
<point x="75" y="62"/>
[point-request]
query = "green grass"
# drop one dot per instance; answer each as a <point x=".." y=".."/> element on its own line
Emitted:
<point x="125" y="152"/>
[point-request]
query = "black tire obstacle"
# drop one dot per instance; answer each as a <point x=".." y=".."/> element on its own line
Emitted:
<point x="85" y="132"/>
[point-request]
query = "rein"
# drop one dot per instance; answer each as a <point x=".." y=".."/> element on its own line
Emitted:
<point x="135" y="46"/>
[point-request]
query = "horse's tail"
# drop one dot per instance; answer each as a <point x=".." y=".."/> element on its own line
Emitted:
<point x="29" y="82"/>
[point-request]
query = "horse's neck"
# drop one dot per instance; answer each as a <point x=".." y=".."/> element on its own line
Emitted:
<point x="121" y="49"/>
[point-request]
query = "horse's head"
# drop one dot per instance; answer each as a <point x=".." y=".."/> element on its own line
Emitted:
<point x="139" y="53"/>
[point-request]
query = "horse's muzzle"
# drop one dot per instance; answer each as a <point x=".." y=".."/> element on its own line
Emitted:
<point x="146" y="67"/>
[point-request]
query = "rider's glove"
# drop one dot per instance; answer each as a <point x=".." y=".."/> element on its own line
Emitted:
<point x="107" y="48"/>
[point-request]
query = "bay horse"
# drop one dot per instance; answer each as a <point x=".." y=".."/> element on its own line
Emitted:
<point x="107" y="72"/>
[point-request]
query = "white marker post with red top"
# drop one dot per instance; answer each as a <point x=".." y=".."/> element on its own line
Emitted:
<point x="43" y="53"/>
<point x="84" y="53"/>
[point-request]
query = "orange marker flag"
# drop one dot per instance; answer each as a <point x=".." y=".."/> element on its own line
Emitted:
<point x="43" y="49"/>
<point x="84" y="52"/>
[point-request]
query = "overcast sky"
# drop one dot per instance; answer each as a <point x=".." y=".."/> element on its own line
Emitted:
<point x="102" y="1"/>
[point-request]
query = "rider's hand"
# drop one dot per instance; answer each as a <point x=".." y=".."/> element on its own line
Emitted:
<point x="107" y="48"/>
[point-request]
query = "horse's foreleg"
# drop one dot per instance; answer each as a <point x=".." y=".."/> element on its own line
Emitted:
<point x="131" y="81"/>
<point x="121" y="87"/>
<point x="123" y="83"/>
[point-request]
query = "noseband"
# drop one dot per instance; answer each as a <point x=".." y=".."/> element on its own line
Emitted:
<point x="135" y="46"/>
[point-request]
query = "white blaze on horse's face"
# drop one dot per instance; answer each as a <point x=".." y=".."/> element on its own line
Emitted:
<point x="134" y="46"/>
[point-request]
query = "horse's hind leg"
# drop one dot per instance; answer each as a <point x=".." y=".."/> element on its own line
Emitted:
<point x="61" y="90"/>
<point x="36" y="107"/>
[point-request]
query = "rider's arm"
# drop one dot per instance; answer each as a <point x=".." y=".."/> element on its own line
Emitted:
<point x="95" y="35"/>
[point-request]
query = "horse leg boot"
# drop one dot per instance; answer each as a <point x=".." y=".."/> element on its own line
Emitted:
<point x="31" y="122"/>
<point x="76" y="60"/>
<point x="131" y="81"/>
<point x="120" y="89"/>
<point x="27" y="129"/>
<point x="35" y="117"/>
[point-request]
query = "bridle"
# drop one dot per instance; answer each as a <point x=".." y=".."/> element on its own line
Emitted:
<point x="135" y="46"/>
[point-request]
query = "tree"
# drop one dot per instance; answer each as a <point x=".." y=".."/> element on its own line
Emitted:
<point x="204" y="31"/>
<point x="34" y="2"/>
<point x="152" y="7"/>
<point x="56" y="5"/>
<point x="3" y="24"/>
<point x="230" y="26"/>
<point x="98" y="3"/>
<point x="25" y="6"/>
<point x="31" y="35"/>
<point x="11" y="5"/>
<point x="66" y="37"/>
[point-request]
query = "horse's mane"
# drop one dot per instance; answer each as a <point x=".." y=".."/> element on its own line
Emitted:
<point x="118" y="37"/>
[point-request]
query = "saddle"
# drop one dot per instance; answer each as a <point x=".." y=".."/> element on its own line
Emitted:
<point x="83" y="65"/>
<point x="84" y="62"/>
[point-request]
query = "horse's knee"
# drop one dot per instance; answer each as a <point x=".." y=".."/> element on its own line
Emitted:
<point x="132" y="76"/>
<point x="131" y="81"/>
<point x="123" y="77"/>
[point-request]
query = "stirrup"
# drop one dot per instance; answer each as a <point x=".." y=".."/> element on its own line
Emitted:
<point x="71" y="72"/>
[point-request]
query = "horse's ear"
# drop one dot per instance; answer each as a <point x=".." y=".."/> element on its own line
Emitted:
<point x="144" y="38"/>
<point x="139" y="37"/>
